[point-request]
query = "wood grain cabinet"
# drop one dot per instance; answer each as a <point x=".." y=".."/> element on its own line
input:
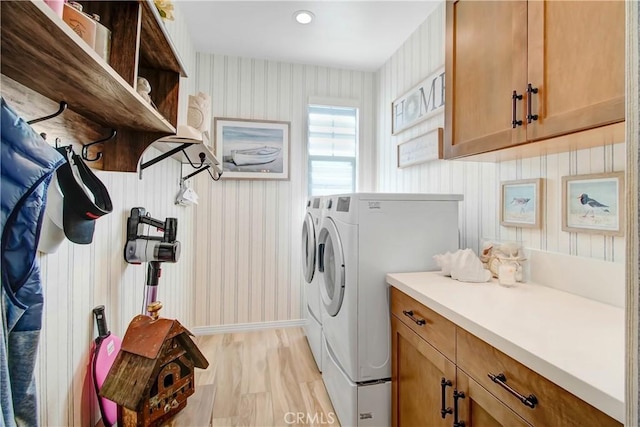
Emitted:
<point x="475" y="384"/>
<point x="422" y="377"/>
<point x="519" y="72"/>
<point x="534" y="398"/>
<point x="41" y="52"/>
<point x="478" y="407"/>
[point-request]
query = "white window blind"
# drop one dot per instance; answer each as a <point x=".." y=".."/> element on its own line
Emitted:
<point x="332" y="144"/>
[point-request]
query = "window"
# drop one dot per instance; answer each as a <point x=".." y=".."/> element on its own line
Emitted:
<point x="332" y="144"/>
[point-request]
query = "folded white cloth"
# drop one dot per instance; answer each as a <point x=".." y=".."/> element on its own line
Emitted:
<point x="463" y="265"/>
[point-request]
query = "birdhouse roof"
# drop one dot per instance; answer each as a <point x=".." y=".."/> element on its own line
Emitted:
<point x="141" y="351"/>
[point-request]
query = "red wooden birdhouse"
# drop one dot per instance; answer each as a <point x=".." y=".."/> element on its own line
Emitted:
<point x="152" y="376"/>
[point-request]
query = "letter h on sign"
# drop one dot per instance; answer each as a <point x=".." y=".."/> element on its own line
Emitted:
<point x="422" y="101"/>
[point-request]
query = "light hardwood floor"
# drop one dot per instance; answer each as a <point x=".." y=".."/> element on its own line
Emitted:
<point x="263" y="378"/>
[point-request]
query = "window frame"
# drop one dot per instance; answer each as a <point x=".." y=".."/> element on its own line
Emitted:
<point x="334" y="103"/>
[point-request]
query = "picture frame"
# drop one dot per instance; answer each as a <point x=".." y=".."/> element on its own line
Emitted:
<point x="419" y="103"/>
<point x="252" y="149"/>
<point x="593" y="203"/>
<point x="421" y="149"/>
<point x="521" y="203"/>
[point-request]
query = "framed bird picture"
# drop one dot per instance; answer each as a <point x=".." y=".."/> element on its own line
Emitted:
<point x="593" y="203"/>
<point x="520" y="203"/>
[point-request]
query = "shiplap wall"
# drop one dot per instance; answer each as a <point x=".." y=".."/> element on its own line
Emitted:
<point x="420" y="56"/>
<point x="79" y="277"/>
<point x="248" y="258"/>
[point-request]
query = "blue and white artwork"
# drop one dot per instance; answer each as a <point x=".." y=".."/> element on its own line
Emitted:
<point x="593" y="203"/>
<point x="520" y="203"/>
<point x="253" y="149"/>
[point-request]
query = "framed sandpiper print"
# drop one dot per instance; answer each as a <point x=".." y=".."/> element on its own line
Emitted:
<point x="252" y="149"/>
<point x="520" y="203"/>
<point x="593" y="203"/>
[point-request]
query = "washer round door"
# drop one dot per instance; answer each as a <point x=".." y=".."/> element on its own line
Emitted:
<point x="308" y="248"/>
<point x="331" y="265"/>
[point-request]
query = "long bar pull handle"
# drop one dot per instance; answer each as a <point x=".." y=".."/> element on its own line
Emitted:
<point x="457" y="395"/>
<point x="409" y="314"/>
<point x="530" y="90"/>
<point x="515" y="97"/>
<point x="531" y="401"/>
<point x="444" y="383"/>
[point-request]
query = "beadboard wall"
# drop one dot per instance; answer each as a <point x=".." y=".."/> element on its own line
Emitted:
<point x="248" y="266"/>
<point x="421" y="55"/>
<point x="79" y="277"/>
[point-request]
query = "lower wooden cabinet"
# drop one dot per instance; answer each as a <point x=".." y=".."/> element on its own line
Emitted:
<point x="417" y="371"/>
<point x="518" y="396"/>
<point x="553" y="405"/>
<point x="477" y="407"/>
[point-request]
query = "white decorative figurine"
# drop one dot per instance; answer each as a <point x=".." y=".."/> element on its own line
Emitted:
<point x="144" y="89"/>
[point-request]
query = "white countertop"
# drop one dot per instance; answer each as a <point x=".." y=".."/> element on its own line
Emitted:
<point x="575" y="342"/>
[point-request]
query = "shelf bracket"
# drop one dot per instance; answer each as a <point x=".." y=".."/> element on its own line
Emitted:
<point x="192" y="174"/>
<point x="201" y="168"/>
<point x="163" y="156"/>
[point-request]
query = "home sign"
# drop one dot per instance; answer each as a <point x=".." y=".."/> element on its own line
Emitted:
<point x="422" y="101"/>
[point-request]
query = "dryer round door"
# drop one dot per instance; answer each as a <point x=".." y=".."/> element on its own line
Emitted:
<point x="331" y="265"/>
<point x="308" y="248"/>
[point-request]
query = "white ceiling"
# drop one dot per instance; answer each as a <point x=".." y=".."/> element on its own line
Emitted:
<point x="358" y="35"/>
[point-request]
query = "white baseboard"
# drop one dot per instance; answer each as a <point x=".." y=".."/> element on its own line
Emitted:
<point x="246" y="327"/>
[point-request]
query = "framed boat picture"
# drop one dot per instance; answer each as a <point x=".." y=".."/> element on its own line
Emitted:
<point x="252" y="149"/>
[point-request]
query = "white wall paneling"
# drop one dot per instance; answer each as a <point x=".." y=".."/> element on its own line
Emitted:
<point x="419" y="56"/>
<point x="79" y="277"/>
<point x="248" y="265"/>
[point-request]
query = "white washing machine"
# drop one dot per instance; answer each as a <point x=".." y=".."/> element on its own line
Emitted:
<point x="364" y="237"/>
<point x="311" y="283"/>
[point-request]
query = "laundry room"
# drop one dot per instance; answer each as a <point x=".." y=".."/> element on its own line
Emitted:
<point x="296" y="196"/>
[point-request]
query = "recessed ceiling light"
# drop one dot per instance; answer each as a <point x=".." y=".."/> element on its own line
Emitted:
<point x="303" y="16"/>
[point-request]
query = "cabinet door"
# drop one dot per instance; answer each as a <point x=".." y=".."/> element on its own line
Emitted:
<point x="576" y="61"/>
<point x="479" y="408"/>
<point x="486" y="60"/>
<point x="416" y="373"/>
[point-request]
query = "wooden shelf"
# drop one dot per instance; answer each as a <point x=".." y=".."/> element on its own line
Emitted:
<point x="40" y="51"/>
<point x="156" y="49"/>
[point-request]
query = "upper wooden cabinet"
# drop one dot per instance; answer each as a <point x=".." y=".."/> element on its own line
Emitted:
<point x="43" y="53"/>
<point x="519" y="72"/>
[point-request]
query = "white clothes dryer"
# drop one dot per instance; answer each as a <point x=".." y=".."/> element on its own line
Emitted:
<point x="364" y="237"/>
<point x="311" y="282"/>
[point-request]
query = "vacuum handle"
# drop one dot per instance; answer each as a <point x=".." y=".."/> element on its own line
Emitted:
<point x="153" y="273"/>
<point x="101" y="321"/>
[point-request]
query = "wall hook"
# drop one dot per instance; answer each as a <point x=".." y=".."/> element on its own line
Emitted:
<point x="85" y="148"/>
<point x="63" y="106"/>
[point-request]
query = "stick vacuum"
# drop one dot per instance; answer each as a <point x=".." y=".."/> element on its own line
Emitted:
<point x="153" y="250"/>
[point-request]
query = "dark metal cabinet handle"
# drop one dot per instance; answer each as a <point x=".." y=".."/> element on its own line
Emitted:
<point x="530" y="90"/>
<point x="457" y="395"/>
<point x="444" y="383"/>
<point x="531" y="401"/>
<point x="409" y="314"/>
<point x="515" y="97"/>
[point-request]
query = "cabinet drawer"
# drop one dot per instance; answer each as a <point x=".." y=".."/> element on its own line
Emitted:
<point x="555" y="406"/>
<point x="435" y="329"/>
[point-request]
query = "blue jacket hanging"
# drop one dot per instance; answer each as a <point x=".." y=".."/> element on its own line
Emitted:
<point x="27" y="164"/>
